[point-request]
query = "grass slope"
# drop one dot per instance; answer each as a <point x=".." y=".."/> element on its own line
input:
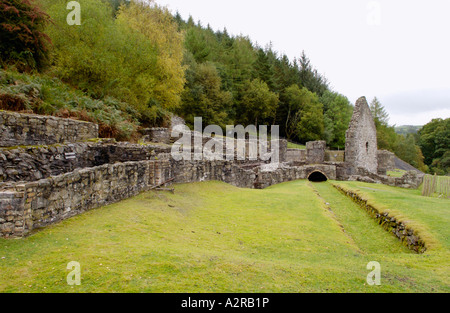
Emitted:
<point x="428" y="215"/>
<point x="212" y="237"/>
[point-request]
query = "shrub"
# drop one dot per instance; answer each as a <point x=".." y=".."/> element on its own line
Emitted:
<point x="23" y="41"/>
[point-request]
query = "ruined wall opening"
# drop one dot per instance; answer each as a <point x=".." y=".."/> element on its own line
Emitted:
<point x="317" y="177"/>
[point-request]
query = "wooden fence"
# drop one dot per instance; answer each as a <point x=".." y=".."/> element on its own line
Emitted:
<point x="436" y="186"/>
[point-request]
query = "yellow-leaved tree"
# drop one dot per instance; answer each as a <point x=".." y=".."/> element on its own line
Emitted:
<point x="157" y="24"/>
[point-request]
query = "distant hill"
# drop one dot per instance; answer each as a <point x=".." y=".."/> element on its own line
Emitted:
<point x="407" y="129"/>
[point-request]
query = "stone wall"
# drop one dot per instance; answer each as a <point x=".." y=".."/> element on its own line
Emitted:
<point x="37" y="204"/>
<point x="386" y="161"/>
<point x="14" y="220"/>
<point x="199" y="142"/>
<point x="315" y="152"/>
<point x="283" y="174"/>
<point x="26" y="206"/>
<point x="29" y="129"/>
<point x="295" y="155"/>
<point x="410" y="180"/>
<point x="157" y="135"/>
<point x="361" y="139"/>
<point x="283" y="144"/>
<point x="228" y="172"/>
<point x="398" y="228"/>
<point x="30" y="163"/>
<point x="43" y="184"/>
<point x="299" y="156"/>
<point x="334" y="156"/>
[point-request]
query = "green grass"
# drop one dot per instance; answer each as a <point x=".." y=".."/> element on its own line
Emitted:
<point x="212" y="237"/>
<point x="291" y="145"/>
<point x="396" y="173"/>
<point x="429" y="216"/>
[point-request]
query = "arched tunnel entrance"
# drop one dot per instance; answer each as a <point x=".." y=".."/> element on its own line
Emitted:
<point x="317" y="177"/>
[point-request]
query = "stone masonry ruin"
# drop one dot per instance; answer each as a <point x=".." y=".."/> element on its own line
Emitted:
<point x="361" y="139"/>
<point x="53" y="168"/>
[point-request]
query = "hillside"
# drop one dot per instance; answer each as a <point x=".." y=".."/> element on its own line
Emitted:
<point x="407" y="129"/>
<point x="43" y="94"/>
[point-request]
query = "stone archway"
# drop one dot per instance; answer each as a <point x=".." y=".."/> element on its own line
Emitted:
<point x="317" y="177"/>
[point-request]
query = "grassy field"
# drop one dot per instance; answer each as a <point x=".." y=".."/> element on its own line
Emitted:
<point x="212" y="237"/>
<point x="292" y="145"/>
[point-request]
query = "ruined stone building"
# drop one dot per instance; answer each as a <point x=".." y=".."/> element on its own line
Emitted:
<point x="361" y="139"/>
<point x="53" y="168"/>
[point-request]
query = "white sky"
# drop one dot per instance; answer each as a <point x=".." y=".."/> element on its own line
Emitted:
<point x="396" y="50"/>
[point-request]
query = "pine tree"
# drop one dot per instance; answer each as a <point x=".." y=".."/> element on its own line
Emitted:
<point x="310" y="77"/>
<point x="379" y="113"/>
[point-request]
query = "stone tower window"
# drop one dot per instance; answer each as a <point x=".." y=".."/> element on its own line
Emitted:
<point x="367" y="147"/>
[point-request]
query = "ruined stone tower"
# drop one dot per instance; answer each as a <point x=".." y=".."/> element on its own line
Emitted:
<point x="361" y="139"/>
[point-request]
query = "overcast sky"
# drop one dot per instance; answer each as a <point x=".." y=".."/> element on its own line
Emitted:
<point x="396" y="50"/>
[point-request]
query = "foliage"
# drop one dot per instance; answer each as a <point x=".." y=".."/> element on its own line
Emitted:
<point x="337" y="115"/>
<point x="115" y="4"/>
<point x="407" y="150"/>
<point x="292" y="99"/>
<point x="434" y="140"/>
<point x="203" y="97"/>
<point x="159" y="28"/>
<point x="380" y="116"/>
<point x="195" y="43"/>
<point x="45" y="95"/>
<point x="138" y="53"/>
<point x="126" y="58"/>
<point x="308" y="121"/>
<point x="259" y="80"/>
<point x="310" y="77"/>
<point x="258" y="104"/>
<point x="23" y="41"/>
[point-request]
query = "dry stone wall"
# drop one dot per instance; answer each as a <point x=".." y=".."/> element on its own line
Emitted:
<point x="18" y="129"/>
<point x="37" y="204"/>
<point x="157" y="135"/>
<point x="295" y="155"/>
<point x="30" y="163"/>
<point x="398" y="228"/>
<point x="228" y="172"/>
<point x="410" y="180"/>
